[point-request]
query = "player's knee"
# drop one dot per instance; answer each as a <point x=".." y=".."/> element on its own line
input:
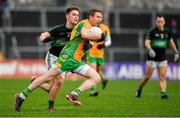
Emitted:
<point x="93" y="75"/>
<point x="96" y="77"/>
<point x="163" y="75"/>
<point x="58" y="81"/>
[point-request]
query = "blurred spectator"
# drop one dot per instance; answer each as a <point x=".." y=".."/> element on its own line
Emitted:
<point x="174" y="29"/>
<point x="61" y="3"/>
<point x="1" y="56"/>
<point x="4" y="5"/>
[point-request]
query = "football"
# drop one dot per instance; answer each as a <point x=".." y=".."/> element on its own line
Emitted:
<point x="95" y="30"/>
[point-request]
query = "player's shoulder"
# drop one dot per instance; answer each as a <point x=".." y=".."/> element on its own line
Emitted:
<point x="167" y="30"/>
<point x="85" y="21"/>
<point x="152" y="29"/>
<point x="81" y="22"/>
<point x="61" y="26"/>
<point x="104" y="25"/>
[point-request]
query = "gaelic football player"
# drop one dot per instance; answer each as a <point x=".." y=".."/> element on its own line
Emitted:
<point x="95" y="56"/>
<point x="70" y="59"/>
<point x="158" y="39"/>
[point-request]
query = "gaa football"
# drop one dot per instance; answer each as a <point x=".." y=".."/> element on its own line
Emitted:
<point x="95" y="30"/>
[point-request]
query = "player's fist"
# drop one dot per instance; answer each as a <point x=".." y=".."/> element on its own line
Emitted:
<point x="176" y="57"/>
<point x="41" y="38"/>
<point x="152" y="54"/>
<point x="44" y="36"/>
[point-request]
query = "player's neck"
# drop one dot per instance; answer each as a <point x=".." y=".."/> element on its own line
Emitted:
<point x="69" y="25"/>
<point x="161" y="29"/>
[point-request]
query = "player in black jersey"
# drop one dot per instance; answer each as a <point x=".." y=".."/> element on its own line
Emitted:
<point x="158" y="39"/>
<point x="58" y="36"/>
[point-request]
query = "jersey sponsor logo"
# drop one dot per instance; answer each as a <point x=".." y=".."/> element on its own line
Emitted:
<point x="157" y="35"/>
<point x="162" y="36"/>
<point x="58" y="65"/>
<point x="65" y="56"/>
<point x="159" y="43"/>
<point x="62" y="59"/>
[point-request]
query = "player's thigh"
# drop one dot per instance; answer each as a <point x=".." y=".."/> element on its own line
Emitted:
<point x="162" y="69"/>
<point x="52" y="73"/>
<point x="87" y="71"/>
<point x="93" y="65"/>
<point x="150" y="67"/>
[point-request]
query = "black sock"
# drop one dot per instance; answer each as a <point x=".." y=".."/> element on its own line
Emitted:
<point x="51" y="104"/>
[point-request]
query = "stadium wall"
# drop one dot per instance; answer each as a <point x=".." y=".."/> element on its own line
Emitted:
<point x="129" y="70"/>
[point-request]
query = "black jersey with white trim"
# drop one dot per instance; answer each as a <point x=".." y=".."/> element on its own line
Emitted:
<point x="159" y="43"/>
<point x="60" y="36"/>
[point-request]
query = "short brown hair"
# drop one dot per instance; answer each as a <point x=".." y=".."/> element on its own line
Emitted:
<point x="93" y="11"/>
<point x="69" y="9"/>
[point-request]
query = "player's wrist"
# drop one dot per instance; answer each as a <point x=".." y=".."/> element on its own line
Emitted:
<point x="47" y="39"/>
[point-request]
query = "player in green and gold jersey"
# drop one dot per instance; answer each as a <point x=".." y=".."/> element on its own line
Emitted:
<point x="70" y="59"/>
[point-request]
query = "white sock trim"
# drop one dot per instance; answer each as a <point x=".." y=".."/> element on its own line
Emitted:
<point x="21" y="95"/>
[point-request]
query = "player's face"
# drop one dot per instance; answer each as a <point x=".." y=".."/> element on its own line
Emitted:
<point x="96" y="19"/>
<point x="160" y="22"/>
<point x="73" y="17"/>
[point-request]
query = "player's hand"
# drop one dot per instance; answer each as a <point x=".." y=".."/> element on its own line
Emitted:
<point x="100" y="46"/>
<point x="102" y="38"/>
<point x="44" y="36"/>
<point x="152" y="54"/>
<point x="41" y="38"/>
<point x="176" y="57"/>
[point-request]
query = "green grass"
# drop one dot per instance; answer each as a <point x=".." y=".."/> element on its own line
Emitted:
<point x="117" y="100"/>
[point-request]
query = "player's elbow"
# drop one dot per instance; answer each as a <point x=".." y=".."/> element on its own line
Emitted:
<point x="108" y="42"/>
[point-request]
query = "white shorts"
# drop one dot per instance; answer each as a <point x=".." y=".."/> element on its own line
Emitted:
<point x="155" y="64"/>
<point x="50" y="60"/>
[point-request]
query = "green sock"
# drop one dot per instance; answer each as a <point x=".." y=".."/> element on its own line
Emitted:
<point x="94" y="89"/>
<point x="163" y="93"/>
<point x="26" y="92"/>
<point x="76" y="91"/>
<point x="140" y="87"/>
<point x="51" y="104"/>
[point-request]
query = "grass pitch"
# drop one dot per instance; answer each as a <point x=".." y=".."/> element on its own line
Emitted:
<point x="116" y="101"/>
